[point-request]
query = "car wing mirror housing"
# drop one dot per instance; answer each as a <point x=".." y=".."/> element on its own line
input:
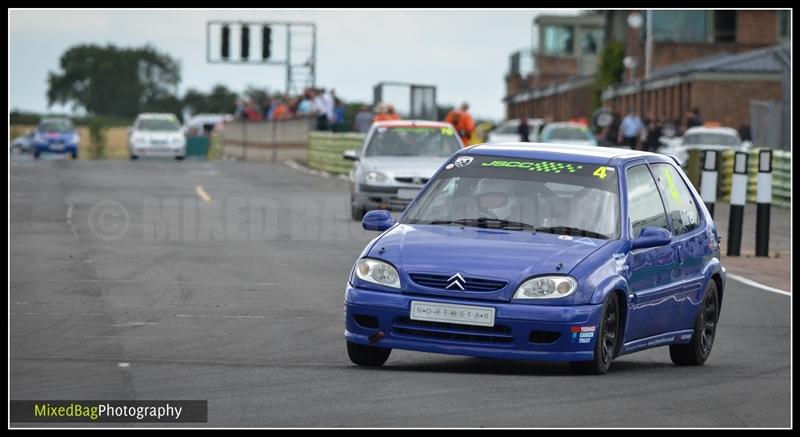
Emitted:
<point x="350" y="155"/>
<point x="379" y="220"/>
<point x="651" y="237"/>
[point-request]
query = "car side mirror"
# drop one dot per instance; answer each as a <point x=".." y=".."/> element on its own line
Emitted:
<point x="379" y="220"/>
<point x="350" y="155"/>
<point x="651" y="237"/>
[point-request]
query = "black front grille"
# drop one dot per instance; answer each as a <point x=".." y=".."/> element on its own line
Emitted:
<point x="498" y="334"/>
<point x="470" y="284"/>
<point x="410" y="180"/>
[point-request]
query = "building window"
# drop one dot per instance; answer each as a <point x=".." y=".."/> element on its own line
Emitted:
<point x="725" y="26"/>
<point x="680" y="26"/>
<point x="591" y="41"/>
<point x="559" y="40"/>
<point x="783" y="24"/>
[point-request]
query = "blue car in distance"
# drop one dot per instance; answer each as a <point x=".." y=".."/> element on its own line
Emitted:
<point x="544" y="252"/>
<point x="55" y="135"/>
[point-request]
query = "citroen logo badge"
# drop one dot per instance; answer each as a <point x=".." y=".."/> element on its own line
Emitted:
<point x="456" y="280"/>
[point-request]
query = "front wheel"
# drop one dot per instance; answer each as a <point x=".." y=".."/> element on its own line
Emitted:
<point x="370" y="356"/>
<point x="705" y="328"/>
<point x="606" y="340"/>
<point x="357" y="211"/>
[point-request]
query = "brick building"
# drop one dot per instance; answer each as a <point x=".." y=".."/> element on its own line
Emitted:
<point x="694" y="63"/>
<point x="720" y="86"/>
<point x="558" y="81"/>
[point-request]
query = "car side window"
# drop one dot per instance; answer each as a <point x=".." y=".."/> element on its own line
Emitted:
<point x="681" y="206"/>
<point x="644" y="202"/>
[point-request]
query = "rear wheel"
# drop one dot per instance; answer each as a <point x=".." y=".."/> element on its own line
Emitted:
<point x="179" y="158"/>
<point x="37" y="154"/>
<point x="607" y="337"/>
<point x="705" y="328"/>
<point x="370" y="356"/>
<point x="74" y="154"/>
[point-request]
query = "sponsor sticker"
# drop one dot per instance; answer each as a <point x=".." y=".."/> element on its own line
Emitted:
<point x="463" y="161"/>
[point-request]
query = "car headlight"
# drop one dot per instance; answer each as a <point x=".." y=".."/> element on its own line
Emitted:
<point x="377" y="272"/>
<point x="546" y="287"/>
<point x="375" y="177"/>
<point x="138" y="140"/>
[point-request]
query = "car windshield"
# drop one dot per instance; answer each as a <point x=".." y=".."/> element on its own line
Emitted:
<point x="158" y="124"/>
<point x="568" y="133"/>
<point x="560" y="197"/>
<point x="56" y="126"/>
<point x="413" y="141"/>
<point x="711" y="139"/>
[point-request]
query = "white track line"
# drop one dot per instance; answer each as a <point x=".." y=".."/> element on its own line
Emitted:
<point x="753" y="283"/>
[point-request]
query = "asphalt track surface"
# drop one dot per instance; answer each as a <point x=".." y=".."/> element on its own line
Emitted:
<point x="111" y="300"/>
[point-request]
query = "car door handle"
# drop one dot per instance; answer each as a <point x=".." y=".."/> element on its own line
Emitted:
<point x="680" y="254"/>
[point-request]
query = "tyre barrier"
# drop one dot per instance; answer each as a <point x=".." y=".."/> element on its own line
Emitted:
<point x="325" y="150"/>
<point x="781" y="176"/>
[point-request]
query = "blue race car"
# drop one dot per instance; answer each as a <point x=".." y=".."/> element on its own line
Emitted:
<point x="55" y="135"/>
<point x="543" y="252"/>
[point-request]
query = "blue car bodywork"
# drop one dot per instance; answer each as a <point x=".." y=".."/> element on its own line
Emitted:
<point x="660" y="289"/>
<point x="55" y="136"/>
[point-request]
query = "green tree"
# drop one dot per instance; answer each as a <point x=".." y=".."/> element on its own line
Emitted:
<point x="220" y="100"/>
<point x="609" y="70"/>
<point x="113" y="81"/>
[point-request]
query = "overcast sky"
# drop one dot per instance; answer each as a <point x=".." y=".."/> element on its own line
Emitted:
<point x="464" y="53"/>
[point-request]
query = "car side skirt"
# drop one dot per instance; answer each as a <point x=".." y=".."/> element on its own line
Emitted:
<point x="676" y="337"/>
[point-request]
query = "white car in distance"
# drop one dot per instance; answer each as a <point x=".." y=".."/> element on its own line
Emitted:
<point x="157" y="135"/>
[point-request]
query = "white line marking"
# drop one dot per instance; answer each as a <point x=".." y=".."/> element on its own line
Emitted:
<point x="134" y="324"/>
<point x="753" y="283"/>
<point x="202" y="193"/>
<point x="123" y="365"/>
<point x="69" y="220"/>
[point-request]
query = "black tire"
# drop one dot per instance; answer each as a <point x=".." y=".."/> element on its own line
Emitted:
<point x="357" y="211"/>
<point x="607" y="340"/>
<point x="179" y="158"/>
<point x="705" y="328"/>
<point x="370" y="356"/>
<point x="75" y="155"/>
<point x="134" y="157"/>
<point x="36" y="154"/>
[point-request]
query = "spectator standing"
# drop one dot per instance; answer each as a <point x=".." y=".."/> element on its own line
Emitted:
<point x="462" y="121"/>
<point x="693" y="118"/>
<point x="363" y="120"/>
<point x="652" y="140"/>
<point x="524" y="130"/>
<point x="339" y="110"/>
<point x="330" y="107"/>
<point x="630" y="129"/>
<point x="745" y="133"/>
<point x="322" y="114"/>
<point x="306" y="105"/>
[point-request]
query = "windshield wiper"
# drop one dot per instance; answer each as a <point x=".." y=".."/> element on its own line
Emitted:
<point x="493" y="223"/>
<point x="482" y="222"/>
<point x="568" y="230"/>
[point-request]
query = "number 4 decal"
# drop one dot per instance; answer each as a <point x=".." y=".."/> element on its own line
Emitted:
<point x="600" y="172"/>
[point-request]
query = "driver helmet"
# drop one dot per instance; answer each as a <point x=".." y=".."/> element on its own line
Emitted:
<point x="494" y="196"/>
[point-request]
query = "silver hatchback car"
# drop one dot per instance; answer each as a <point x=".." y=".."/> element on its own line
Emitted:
<point x="395" y="161"/>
